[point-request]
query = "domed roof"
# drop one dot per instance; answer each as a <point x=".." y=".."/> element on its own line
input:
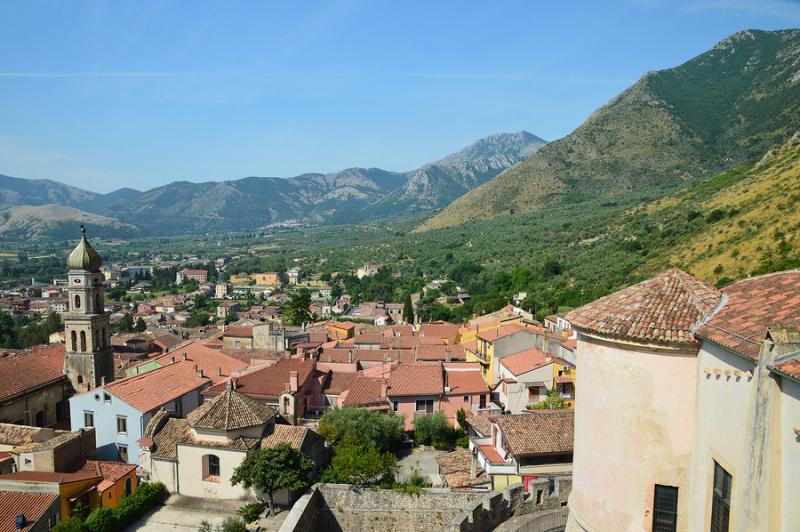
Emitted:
<point x="84" y="257"/>
<point x="230" y="410"/>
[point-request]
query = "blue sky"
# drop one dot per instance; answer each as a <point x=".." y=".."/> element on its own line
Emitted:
<point x="109" y="94"/>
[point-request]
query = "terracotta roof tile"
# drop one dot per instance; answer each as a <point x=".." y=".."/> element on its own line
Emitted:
<point x="664" y="309"/>
<point x="479" y="423"/>
<point x="524" y="361"/>
<point x="501" y="332"/>
<point x="230" y="410"/>
<point x="465" y="381"/>
<point x="751" y="307"/>
<point x="50" y="477"/>
<point x="33" y="505"/>
<point x="365" y="391"/>
<point x="456" y="466"/>
<point x="291" y="434"/>
<point x="111" y="471"/>
<point x="440" y="353"/>
<point x="271" y="381"/>
<point x="28" y="369"/>
<point x="148" y="391"/>
<point x="207" y="359"/>
<point x="340" y="381"/>
<point x="540" y="432"/>
<point x="239" y="332"/>
<point x="416" y="379"/>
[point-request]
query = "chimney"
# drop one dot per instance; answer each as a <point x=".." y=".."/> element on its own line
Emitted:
<point x="293" y="381"/>
<point x="350" y="356"/>
<point x="200" y="373"/>
<point x="102" y="381"/>
<point x="384" y="388"/>
<point x="234" y="382"/>
<point x="448" y="356"/>
<point x="172" y="359"/>
<point x="219" y="372"/>
<point x="185" y="356"/>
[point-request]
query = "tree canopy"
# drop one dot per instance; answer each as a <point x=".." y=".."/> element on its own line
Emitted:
<point x="359" y="426"/>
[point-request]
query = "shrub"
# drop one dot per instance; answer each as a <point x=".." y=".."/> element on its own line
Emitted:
<point x="73" y="524"/>
<point x="359" y="426"/>
<point x="101" y="520"/>
<point x="432" y="429"/>
<point x="352" y="464"/>
<point x="250" y="512"/>
<point x="233" y="524"/>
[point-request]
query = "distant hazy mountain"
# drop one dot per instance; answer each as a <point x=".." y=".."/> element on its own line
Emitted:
<point x="57" y="221"/>
<point x="17" y="191"/>
<point x="355" y="194"/>
<point x="670" y="128"/>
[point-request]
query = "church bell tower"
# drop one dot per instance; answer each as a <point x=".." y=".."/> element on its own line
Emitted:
<point x="88" y="361"/>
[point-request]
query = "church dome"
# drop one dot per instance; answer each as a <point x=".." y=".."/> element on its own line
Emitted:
<point x="84" y="257"/>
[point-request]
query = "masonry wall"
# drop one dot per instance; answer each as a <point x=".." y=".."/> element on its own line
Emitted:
<point x="634" y="429"/>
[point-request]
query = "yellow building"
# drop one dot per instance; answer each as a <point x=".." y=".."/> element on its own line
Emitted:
<point x="266" y="278"/>
<point x="504" y="340"/>
<point x="341" y="330"/>
<point x="118" y="479"/>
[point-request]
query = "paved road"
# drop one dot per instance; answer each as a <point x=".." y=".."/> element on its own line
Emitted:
<point x="425" y="461"/>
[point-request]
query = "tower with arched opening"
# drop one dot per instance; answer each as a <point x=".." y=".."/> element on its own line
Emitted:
<point x="88" y="360"/>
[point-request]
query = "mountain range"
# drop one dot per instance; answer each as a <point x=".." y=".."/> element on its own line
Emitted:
<point x="352" y="195"/>
<point x="671" y="128"/>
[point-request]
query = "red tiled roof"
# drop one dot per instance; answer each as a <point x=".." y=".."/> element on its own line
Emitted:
<point x="207" y="359"/>
<point x="346" y="325"/>
<point x="501" y="332"/>
<point x="340" y="381"/>
<point x="271" y="381"/>
<point x="38" y="366"/>
<point x="540" y="432"/>
<point x="111" y="471"/>
<point x="365" y="391"/>
<point x="33" y="505"/>
<point x="368" y="338"/>
<point x="50" y="477"/>
<point x="416" y="379"/>
<point x="465" y="381"/>
<point x="437" y="333"/>
<point x="440" y="352"/>
<point x="239" y="332"/>
<point x="150" y="390"/>
<point x="664" y="309"/>
<point x="524" y="361"/>
<point x="491" y="454"/>
<point x="752" y="306"/>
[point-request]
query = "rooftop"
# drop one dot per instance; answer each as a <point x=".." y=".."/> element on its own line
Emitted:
<point x="664" y="310"/>
<point x="416" y="379"/>
<point x="540" y="432"/>
<point x="23" y="371"/>
<point x="230" y="410"/>
<point x="211" y="361"/>
<point x="524" y="361"/>
<point x="270" y="381"/>
<point x="33" y="505"/>
<point x="365" y="391"/>
<point x="752" y="306"/>
<point x="148" y="391"/>
<point x="291" y="434"/>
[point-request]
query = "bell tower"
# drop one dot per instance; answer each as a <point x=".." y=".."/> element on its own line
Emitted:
<point x="88" y="361"/>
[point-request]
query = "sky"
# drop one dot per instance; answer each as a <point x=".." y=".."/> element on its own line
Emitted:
<point x="110" y="94"/>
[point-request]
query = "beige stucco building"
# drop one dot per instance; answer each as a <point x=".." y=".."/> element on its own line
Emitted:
<point x="692" y="412"/>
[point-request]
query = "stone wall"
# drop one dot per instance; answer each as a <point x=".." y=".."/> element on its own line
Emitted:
<point x="341" y="507"/>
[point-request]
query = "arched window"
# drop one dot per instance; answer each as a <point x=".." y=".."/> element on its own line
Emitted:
<point x="211" y="467"/>
<point x="77" y="302"/>
<point x="83" y="340"/>
<point x="97" y="307"/>
<point x="74" y="337"/>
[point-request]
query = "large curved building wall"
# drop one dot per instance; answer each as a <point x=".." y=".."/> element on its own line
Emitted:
<point x="634" y="424"/>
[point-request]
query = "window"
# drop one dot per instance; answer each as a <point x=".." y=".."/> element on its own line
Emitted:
<point x="123" y="452"/>
<point x="122" y="424"/>
<point x="425" y="405"/>
<point x="665" y="508"/>
<point x="88" y="419"/>
<point x="211" y="468"/>
<point x="396" y="406"/>
<point x="74" y="337"/>
<point x="106" y="397"/>
<point x="466" y="398"/>
<point x="77" y="302"/>
<point x="128" y="486"/>
<point x="83" y="340"/>
<point x="483" y="401"/>
<point x="721" y="499"/>
<point x="80" y="379"/>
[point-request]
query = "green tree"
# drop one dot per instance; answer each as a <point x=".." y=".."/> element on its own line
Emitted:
<point x="269" y="470"/>
<point x="8" y="331"/>
<point x="432" y="429"/>
<point x="553" y="401"/>
<point x="126" y="323"/>
<point x="355" y="464"/>
<point x="141" y="326"/>
<point x="297" y="311"/>
<point x="359" y="426"/>
<point x="408" y="310"/>
<point x="198" y="319"/>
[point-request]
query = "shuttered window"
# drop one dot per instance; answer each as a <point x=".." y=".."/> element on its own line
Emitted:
<point x="721" y="499"/>
<point x="665" y="508"/>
